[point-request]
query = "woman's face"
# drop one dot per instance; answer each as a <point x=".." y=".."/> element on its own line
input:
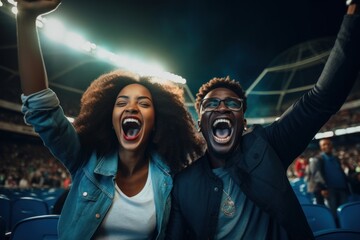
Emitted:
<point x="133" y="117"/>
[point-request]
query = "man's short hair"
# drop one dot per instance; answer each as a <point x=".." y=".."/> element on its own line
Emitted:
<point x="220" y="83"/>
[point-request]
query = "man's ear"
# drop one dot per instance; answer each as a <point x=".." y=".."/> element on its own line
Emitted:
<point x="245" y="124"/>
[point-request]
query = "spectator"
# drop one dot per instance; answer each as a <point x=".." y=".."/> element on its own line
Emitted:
<point x="300" y="166"/>
<point x="328" y="177"/>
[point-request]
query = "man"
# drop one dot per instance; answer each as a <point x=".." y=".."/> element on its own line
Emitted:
<point x="328" y="177"/>
<point x="239" y="188"/>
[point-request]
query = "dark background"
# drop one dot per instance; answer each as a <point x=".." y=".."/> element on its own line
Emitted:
<point x="197" y="40"/>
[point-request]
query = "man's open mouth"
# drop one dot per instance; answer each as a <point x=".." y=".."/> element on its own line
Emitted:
<point x="222" y="130"/>
<point x="131" y="128"/>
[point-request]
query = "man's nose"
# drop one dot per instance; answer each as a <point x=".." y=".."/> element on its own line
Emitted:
<point x="222" y="107"/>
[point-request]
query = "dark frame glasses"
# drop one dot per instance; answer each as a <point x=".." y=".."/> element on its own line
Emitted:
<point x="211" y="104"/>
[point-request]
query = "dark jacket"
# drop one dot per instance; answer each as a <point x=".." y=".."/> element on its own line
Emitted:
<point x="259" y="166"/>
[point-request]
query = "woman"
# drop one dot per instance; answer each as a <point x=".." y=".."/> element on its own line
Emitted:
<point x="131" y="135"/>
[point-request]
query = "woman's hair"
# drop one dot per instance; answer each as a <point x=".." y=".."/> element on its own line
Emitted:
<point x="220" y="83"/>
<point x="175" y="137"/>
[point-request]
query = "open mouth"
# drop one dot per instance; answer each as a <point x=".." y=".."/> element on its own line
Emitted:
<point x="131" y="128"/>
<point x="222" y="130"/>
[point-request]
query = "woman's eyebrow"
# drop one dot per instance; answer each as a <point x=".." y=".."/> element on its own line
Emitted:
<point x="138" y="98"/>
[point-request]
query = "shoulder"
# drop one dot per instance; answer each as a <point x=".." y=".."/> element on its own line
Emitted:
<point x="192" y="171"/>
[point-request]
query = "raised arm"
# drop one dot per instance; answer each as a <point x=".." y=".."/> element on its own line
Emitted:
<point x="31" y="65"/>
<point x="298" y="125"/>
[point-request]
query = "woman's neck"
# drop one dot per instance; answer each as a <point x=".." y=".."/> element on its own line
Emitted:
<point x="131" y="162"/>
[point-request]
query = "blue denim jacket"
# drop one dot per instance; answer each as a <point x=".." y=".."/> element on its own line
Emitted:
<point x="93" y="185"/>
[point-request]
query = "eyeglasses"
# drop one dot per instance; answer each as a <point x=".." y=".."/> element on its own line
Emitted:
<point x="210" y="104"/>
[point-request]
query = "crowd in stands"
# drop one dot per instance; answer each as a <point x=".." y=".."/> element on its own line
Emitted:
<point x="349" y="156"/>
<point x="30" y="165"/>
<point x="22" y="168"/>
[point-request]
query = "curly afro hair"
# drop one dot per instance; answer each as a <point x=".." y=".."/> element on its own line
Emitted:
<point x="175" y="137"/>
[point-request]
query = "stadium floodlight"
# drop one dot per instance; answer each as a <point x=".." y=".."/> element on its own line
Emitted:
<point x="53" y="29"/>
<point x="56" y="31"/>
<point x="348" y="130"/>
<point x="327" y="134"/>
<point x="74" y="40"/>
<point x="14" y="10"/>
<point x="12" y="2"/>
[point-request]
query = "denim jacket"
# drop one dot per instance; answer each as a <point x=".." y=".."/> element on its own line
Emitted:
<point x="93" y="177"/>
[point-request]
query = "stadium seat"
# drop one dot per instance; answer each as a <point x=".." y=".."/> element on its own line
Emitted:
<point x="36" y="228"/>
<point x="2" y="228"/>
<point x="348" y="215"/>
<point x="337" y="234"/>
<point x="319" y="217"/>
<point x="5" y="211"/>
<point x="25" y="207"/>
<point x="50" y="201"/>
<point x="303" y="199"/>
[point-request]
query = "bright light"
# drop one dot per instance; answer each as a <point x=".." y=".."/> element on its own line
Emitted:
<point x="324" y="135"/>
<point x="348" y="130"/>
<point x="74" y="40"/>
<point x="12" y="2"/>
<point x="54" y="30"/>
<point x="1" y="4"/>
<point x="103" y="53"/>
<point x="14" y="10"/>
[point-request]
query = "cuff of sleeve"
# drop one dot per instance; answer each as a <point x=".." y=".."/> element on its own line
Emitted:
<point x="44" y="99"/>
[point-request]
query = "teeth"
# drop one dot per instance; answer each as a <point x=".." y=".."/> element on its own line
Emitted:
<point x="127" y="120"/>
<point x="222" y="140"/>
<point x="217" y="121"/>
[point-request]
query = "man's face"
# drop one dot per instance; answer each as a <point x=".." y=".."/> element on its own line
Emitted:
<point x="222" y="126"/>
<point x="326" y="146"/>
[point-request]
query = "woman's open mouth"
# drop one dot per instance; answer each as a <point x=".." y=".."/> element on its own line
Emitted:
<point x="131" y="128"/>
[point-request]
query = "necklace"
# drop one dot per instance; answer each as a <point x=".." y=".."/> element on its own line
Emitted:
<point x="228" y="206"/>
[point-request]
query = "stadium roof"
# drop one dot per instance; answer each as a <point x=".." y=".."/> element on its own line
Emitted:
<point x="276" y="49"/>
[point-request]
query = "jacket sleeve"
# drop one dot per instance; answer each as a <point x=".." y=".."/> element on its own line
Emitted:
<point x="290" y="135"/>
<point x="43" y="112"/>
<point x="176" y="228"/>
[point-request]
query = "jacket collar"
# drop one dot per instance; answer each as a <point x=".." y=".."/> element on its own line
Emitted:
<point x="157" y="160"/>
<point x="108" y="164"/>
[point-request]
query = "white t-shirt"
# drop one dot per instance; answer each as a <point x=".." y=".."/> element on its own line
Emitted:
<point x="130" y="217"/>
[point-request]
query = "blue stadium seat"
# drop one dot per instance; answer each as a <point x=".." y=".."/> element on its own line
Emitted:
<point x="337" y="234"/>
<point x="303" y="199"/>
<point x="50" y="201"/>
<point x="348" y="215"/>
<point x="36" y="228"/>
<point x="2" y="228"/>
<point x="25" y="207"/>
<point x="5" y="211"/>
<point x="319" y="217"/>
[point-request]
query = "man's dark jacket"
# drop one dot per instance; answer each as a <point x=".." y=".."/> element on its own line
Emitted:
<point x="259" y="165"/>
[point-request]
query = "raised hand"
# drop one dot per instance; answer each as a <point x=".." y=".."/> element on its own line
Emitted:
<point x="34" y="8"/>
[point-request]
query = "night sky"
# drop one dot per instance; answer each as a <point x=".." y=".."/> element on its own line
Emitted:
<point x="197" y="40"/>
<point x="203" y="39"/>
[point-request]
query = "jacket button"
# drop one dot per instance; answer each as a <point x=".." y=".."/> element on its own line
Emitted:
<point x="85" y="194"/>
<point x="216" y="189"/>
<point x="97" y="215"/>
